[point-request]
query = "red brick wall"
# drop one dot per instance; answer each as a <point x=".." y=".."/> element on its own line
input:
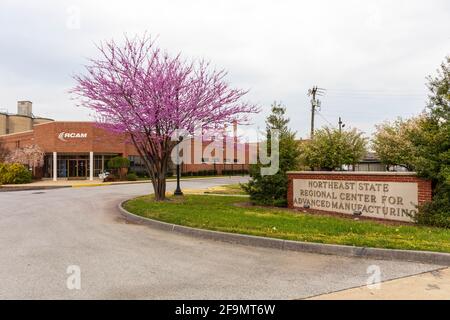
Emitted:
<point x="219" y="152"/>
<point x="424" y="186"/>
<point x="219" y="167"/>
<point x="101" y="141"/>
<point x="98" y="140"/>
<point x="20" y="139"/>
<point x="46" y="137"/>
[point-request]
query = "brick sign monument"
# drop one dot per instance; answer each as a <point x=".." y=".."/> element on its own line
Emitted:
<point x="381" y="195"/>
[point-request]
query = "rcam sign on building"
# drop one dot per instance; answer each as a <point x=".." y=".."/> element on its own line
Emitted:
<point x="376" y="199"/>
<point x="64" y="136"/>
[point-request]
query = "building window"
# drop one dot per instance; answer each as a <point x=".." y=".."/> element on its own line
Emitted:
<point x="137" y="165"/>
<point x="98" y="165"/>
<point x="62" y="167"/>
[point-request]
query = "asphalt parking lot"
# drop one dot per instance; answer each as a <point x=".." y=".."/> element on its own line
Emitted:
<point x="43" y="233"/>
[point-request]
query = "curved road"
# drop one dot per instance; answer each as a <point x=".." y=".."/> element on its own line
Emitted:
<point x="43" y="233"/>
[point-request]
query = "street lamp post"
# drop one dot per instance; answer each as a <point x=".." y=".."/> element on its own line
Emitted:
<point x="341" y="125"/>
<point x="178" y="191"/>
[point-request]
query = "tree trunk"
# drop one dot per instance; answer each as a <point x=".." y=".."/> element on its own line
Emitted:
<point x="159" y="179"/>
<point x="159" y="186"/>
<point x="122" y="173"/>
<point x="156" y="156"/>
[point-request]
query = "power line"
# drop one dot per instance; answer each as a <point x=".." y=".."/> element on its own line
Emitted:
<point x="325" y="119"/>
<point x="376" y="91"/>
<point x="409" y="97"/>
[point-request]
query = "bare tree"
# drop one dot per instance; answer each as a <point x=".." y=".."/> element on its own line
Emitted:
<point x="31" y="156"/>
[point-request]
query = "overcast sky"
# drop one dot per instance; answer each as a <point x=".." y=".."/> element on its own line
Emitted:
<point x="371" y="56"/>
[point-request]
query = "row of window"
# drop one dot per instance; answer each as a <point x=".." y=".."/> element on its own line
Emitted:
<point x="75" y="165"/>
<point x="218" y="160"/>
<point x="79" y="165"/>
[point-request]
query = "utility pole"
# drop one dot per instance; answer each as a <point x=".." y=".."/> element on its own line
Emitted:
<point x="341" y="125"/>
<point x="315" y="104"/>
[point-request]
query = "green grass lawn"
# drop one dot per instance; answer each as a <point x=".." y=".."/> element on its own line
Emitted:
<point x="222" y="214"/>
<point x="228" y="189"/>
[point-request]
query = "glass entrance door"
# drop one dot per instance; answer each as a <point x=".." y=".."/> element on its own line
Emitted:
<point x="77" y="168"/>
<point x="82" y="168"/>
<point x="73" y="164"/>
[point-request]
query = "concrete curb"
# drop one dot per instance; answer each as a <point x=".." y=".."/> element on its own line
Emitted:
<point x="30" y="188"/>
<point x="319" y="248"/>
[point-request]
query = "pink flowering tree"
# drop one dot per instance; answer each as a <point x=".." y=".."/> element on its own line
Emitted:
<point x="31" y="156"/>
<point x="3" y="152"/>
<point x="139" y="90"/>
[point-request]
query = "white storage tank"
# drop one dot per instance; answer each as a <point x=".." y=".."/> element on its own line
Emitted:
<point x="25" y="108"/>
<point x="40" y="120"/>
<point x="18" y="123"/>
<point x="3" y="123"/>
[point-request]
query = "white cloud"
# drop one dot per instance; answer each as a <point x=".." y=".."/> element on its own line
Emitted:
<point x="372" y="56"/>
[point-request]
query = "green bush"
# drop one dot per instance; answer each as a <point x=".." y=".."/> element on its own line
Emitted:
<point x="14" y="173"/>
<point x="118" y="162"/>
<point x="141" y="174"/>
<point x="272" y="189"/>
<point x="132" y="177"/>
<point x="424" y="147"/>
<point x="112" y="178"/>
<point x="437" y="212"/>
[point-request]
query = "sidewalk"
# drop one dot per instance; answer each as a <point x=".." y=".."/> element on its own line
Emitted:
<point x="425" y="286"/>
<point x="50" y="184"/>
<point x="67" y="183"/>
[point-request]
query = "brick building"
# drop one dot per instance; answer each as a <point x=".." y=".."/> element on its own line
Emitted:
<point x="77" y="149"/>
